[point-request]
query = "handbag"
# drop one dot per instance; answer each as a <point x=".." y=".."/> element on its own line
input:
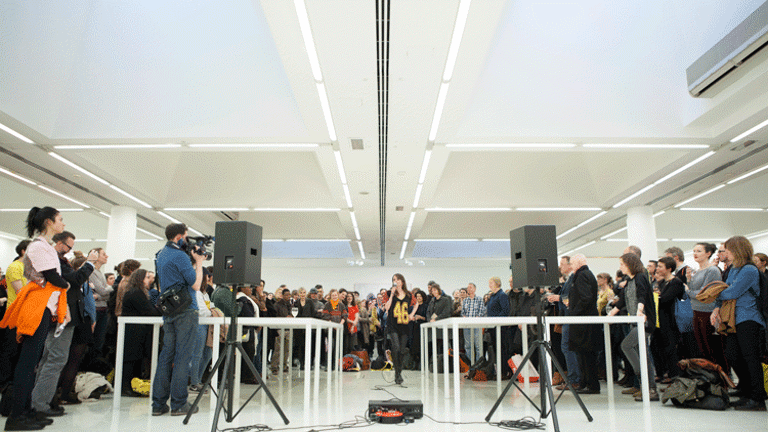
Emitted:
<point x="684" y="314"/>
<point x="175" y="300"/>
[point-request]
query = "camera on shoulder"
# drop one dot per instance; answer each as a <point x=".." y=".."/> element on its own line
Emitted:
<point x="198" y="245"/>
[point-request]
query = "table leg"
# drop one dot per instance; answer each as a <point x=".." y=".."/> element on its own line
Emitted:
<point x="446" y="371"/>
<point x="307" y="361"/>
<point x="456" y="369"/>
<point x="526" y="373"/>
<point x="155" y="354"/>
<point x="645" y="385"/>
<point x="608" y="359"/>
<point x="498" y="356"/>
<point x="119" y="363"/>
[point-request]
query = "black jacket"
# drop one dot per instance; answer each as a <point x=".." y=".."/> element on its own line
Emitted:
<point x="582" y="301"/>
<point x="76" y="279"/>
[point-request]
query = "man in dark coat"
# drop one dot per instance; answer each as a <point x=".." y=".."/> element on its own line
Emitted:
<point x="584" y="338"/>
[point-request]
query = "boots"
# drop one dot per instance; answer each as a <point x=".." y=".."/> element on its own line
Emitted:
<point x="398" y="363"/>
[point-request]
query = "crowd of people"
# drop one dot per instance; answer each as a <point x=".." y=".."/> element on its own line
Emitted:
<point x="59" y="317"/>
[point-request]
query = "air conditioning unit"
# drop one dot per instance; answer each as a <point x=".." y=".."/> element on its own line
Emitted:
<point x="731" y="52"/>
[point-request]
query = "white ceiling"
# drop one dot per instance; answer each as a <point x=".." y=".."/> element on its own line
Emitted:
<point x="527" y="71"/>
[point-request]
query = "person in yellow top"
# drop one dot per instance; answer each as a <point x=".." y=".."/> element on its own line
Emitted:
<point x="14" y="274"/>
<point x="604" y="291"/>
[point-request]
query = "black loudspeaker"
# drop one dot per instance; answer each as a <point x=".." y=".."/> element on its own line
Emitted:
<point x="237" y="253"/>
<point x="534" y="256"/>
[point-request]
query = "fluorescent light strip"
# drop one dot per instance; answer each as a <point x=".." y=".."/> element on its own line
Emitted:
<point x="458" y="32"/>
<point x="418" y="195"/>
<point x="47" y="189"/>
<point x="347" y="196"/>
<point x="512" y="145"/>
<point x="82" y="170"/>
<point x="617" y="240"/>
<point x="647" y="146"/>
<point x="326" y="106"/>
<point x="495" y="240"/>
<point x="16" y="176"/>
<point x="195" y="231"/>
<point x="289" y="210"/>
<point x="583" y="246"/>
<point x="613" y="233"/>
<point x="557" y="209"/>
<point x="638" y="193"/>
<point x="86" y="240"/>
<point x="340" y="166"/>
<point x="20" y="210"/>
<point x="143" y="259"/>
<point x="402" y="251"/>
<point x="410" y="225"/>
<point x="146" y="240"/>
<point x="354" y="224"/>
<point x="438" y="110"/>
<point x="174" y="220"/>
<point x="754" y="129"/>
<point x="751" y="173"/>
<point x="447" y="240"/>
<point x="108" y="216"/>
<point x="149" y="233"/>
<point x="699" y="195"/>
<point x="659" y="213"/>
<point x="213" y="209"/>
<point x="362" y="252"/>
<point x="581" y="224"/>
<point x="683" y="168"/>
<point x="309" y="43"/>
<point x="255" y="145"/>
<point x="116" y="146"/>
<point x="467" y="209"/>
<point x="720" y="209"/>
<point x="16" y="134"/>
<point x="130" y="196"/>
<point x="12" y="237"/>
<point x="757" y="234"/>
<point x="425" y="166"/>
<point x="697" y="240"/>
<point x="318" y="240"/>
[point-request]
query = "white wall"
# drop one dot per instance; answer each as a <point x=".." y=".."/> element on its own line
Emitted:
<point x="7" y="252"/>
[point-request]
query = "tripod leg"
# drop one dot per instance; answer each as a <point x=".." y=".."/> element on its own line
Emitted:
<point x="548" y="384"/>
<point x="223" y="388"/>
<point x="249" y="364"/>
<point x="207" y="384"/>
<point x="512" y="381"/>
<point x="560" y="369"/>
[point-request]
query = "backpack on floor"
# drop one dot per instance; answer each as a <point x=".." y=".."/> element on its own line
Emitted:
<point x="464" y="362"/>
<point x="363" y="355"/>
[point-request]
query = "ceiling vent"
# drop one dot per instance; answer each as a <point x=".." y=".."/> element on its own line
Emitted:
<point x="741" y="146"/>
<point x="357" y="143"/>
<point x="231" y="215"/>
<point x="732" y="51"/>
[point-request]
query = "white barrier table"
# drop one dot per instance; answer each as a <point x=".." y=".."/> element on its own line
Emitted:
<point x="307" y="324"/>
<point x="498" y="322"/>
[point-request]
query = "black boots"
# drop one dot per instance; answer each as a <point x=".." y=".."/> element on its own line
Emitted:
<point x="398" y="364"/>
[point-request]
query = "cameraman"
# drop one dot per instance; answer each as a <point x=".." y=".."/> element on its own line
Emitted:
<point x="174" y="267"/>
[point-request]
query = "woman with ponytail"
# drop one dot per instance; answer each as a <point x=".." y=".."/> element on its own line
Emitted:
<point x="40" y="304"/>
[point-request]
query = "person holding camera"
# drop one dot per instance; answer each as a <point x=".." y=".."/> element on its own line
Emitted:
<point x="174" y="272"/>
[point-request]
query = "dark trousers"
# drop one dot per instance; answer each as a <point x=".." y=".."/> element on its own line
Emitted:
<point x="667" y="361"/>
<point x="743" y="350"/>
<point x="399" y="342"/>
<point x="588" y="367"/>
<point x="9" y="354"/>
<point x="711" y="344"/>
<point x="24" y="375"/>
<point x="506" y="349"/>
<point x="100" y="331"/>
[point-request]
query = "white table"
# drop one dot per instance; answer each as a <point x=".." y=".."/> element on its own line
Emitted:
<point x="498" y="322"/>
<point x="307" y="324"/>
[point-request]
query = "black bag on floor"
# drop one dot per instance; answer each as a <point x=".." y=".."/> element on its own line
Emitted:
<point x="5" y="400"/>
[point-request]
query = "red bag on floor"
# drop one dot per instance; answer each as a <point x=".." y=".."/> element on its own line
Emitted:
<point x="364" y="357"/>
<point x="514" y="361"/>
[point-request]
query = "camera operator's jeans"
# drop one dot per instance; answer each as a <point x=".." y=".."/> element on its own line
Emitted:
<point x="201" y="355"/>
<point x="475" y="352"/>
<point x="179" y="337"/>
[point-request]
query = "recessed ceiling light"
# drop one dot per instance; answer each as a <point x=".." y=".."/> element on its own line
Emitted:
<point x="438" y="110"/>
<point x="130" y="196"/>
<point x="613" y="233"/>
<point x="557" y="209"/>
<point x="458" y="32"/>
<point x="721" y="209"/>
<point x="172" y="219"/>
<point x="402" y="250"/>
<point x="78" y="168"/>
<point x="116" y="146"/>
<point x="254" y="145"/>
<point x="751" y="173"/>
<point x="47" y="189"/>
<point x="684" y="167"/>
<point x="754" y="129"/>
<point x="468" y="209"/>
<point x="208" y="209"/>
<point x="16" y="134"/>
<point x="647" y="146"/>
<point x="16" y="176"/>
<point x="512" y="145"/>
<point x="699" y="195"/>
<point x="425" y="166"/>
<point x="289" y="210"/>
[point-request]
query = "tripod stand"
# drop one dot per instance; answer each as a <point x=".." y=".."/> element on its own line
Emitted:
<point x="227" y="384"/>
<point x="543" y="347"/>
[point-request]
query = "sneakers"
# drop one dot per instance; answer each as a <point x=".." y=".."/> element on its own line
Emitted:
<point x="160" y="411"/>
<point x="654" y="395"/>
<point x="630" y="391"/>
<point x="197" y="388"/>
<point x="184" y="410"/>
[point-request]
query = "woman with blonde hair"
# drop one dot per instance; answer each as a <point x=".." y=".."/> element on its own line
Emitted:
<point x="743" y="347"/>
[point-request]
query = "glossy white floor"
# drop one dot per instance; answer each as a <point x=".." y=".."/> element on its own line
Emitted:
<point x="338" y="401"/>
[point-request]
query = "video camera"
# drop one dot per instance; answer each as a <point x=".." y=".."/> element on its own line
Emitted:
<point x="198" y="245"/>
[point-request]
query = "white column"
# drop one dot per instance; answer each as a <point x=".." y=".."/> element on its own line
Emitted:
<point x="641" y="231"/>
<point x="121" y="235"/>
